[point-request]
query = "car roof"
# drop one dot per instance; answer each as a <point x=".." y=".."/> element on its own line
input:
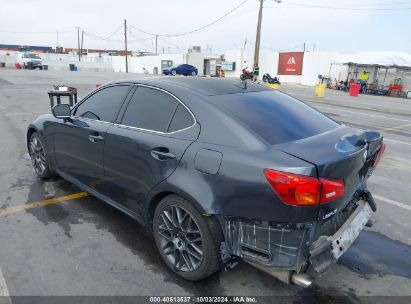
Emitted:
<point x="207" y="86"/>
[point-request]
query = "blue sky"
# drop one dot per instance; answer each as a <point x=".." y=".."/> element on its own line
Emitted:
<point x="351" y="26"/>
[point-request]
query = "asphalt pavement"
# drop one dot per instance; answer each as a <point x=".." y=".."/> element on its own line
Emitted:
<point x="84" y="247"/>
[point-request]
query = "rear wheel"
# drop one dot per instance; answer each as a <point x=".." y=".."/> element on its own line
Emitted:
<point x="38" y="156"/>
<point x="188" y="242"/>
<point x="242" y="77"/>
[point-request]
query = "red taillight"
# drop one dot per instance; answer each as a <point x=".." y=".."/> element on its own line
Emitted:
<point x="379" y="156"/>
<point x="331" y="189"/>
<point x="300" y="190"/>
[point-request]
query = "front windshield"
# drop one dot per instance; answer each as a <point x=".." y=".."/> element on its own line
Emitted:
<point x="31" y="55"/>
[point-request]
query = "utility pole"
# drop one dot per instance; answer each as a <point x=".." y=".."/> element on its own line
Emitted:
<point x="125" y="42"/>
<point x="258" y="35"/>
<point x="81" y="45"/>
<point x="78" y="42"/>
<point x="156" y="43"/>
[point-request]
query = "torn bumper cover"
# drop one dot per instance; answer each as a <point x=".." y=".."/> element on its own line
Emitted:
<point x="294" y="246"/>
<point x="326" y="250"/>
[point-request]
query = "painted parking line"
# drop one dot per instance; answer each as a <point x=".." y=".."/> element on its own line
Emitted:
<point x="43" y="203"/>
<point x="397" y="141"/>
<point x="392" y="202"/>
<point x="364" y="114"/>
<point x="4" y="292"/>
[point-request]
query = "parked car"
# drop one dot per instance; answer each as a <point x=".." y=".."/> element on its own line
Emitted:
<point x="30" y="61"/>
<point x="219" y="170"/>
<point x="181" y="69"/>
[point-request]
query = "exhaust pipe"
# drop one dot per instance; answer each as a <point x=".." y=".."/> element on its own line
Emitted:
<point x="285" y="276"/>
<point x="301" y="279"/>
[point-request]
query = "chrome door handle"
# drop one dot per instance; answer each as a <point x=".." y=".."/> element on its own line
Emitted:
<point x="95" y="138"/>
<point x="162" y="154"/>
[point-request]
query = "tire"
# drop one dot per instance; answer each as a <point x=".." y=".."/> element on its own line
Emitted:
<point x="181" y="250"/>
<point x="265" y="78"/>
<point x="193" y="73"/>
<point x="242" y="77"/>
<point x="39" y="157"/>
<point x="173" y="72"/>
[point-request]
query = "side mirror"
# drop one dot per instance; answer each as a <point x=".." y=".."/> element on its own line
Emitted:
<point x="61" y="111"/>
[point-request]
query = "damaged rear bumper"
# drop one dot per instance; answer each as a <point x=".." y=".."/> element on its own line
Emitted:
<point x="326" y="250"/>
<point x="294" y="247"/>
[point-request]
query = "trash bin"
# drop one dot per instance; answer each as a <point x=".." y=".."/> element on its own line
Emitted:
<point x="319" y="90"/>
<point x="45" y="67"/>
<point x="354" y="89"/>
<point x="72" y="66"/>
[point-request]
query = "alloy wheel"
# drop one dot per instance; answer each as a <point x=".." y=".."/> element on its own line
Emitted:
<point x="37" y="155"/>
<point x="180" y="238"/>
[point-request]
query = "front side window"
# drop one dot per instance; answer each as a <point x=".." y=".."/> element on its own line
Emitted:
<point x="150" y="109"/>
<point x="104" y="104"/>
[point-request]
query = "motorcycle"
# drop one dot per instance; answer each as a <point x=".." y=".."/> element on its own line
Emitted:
<point x="271" y="80"/>
<point x="246" y="74"/>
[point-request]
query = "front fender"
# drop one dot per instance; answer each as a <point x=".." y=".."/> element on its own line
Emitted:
<point x="43" y="125"/>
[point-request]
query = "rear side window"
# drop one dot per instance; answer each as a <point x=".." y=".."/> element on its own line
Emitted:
<point x="275" y="116"/>
<point x="104" y="104"/>
<point x="182" y="119"/>
<point x="150" y="109"/>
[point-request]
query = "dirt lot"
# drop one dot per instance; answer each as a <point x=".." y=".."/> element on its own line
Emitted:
<point x="83" y="247"/>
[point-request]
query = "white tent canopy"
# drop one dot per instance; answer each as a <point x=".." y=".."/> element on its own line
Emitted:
<point x="381" y="59"/>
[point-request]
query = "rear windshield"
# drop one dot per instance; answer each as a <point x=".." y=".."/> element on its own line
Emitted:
<point x="275" y="116"/>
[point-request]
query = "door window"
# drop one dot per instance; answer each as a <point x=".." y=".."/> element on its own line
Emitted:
<point x="104" y="104"/>
<point x="182" y="119"/>
<point x="150" y="109"/>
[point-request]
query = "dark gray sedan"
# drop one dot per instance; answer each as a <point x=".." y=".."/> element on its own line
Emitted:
<point x="219" y="170"/>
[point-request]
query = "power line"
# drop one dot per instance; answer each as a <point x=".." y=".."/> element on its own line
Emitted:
<point x="54" y="32"/>
<point x="97" y="37"/>
<point x="195" y="30"/>
<point x="303" y="5"/>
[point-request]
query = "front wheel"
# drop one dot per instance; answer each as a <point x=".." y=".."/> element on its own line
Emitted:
<point x="173" y="72"/>
<point x="193" y="73"/>
<point x="265" y="78"/>
<point x="188" y="241"/>
<point x="39" y="157"/>
<point x="242" y="77"/>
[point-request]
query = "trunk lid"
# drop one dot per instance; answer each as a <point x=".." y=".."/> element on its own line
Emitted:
<point x="341" y="153"/>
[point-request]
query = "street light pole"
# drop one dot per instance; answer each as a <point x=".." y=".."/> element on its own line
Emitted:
<point x="78" y="42"/>
<point x="125" y="42"/>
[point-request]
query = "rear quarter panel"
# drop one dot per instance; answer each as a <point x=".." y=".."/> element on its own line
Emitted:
<point x="239" y="188"/>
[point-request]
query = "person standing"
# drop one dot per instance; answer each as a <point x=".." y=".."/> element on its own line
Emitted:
<point x="363" y="81"/>
<point x="256" y="73"/>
